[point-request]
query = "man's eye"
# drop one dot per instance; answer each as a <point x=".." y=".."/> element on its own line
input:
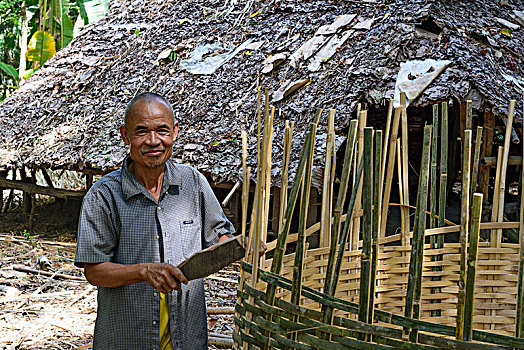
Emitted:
<point x="141" y="132"/>
<point x="163" y="132"/>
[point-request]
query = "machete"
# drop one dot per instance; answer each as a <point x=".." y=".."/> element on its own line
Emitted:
<point x="213" y="259"/>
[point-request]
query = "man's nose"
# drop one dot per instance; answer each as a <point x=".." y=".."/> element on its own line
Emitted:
<point x="152" y="139"/>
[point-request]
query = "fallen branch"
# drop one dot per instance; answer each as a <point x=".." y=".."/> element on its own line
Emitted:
<point x="220" y="310"/>
<point x="45" y="273"/>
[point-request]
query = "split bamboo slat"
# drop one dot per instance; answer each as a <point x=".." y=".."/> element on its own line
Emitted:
<point x="379" y="292"/>
<point x="464" y="231"/>
<point x="520" y="296"/>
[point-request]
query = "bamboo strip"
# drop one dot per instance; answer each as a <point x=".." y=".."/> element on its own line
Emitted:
<point x="377" y="198"/>
<point x="298" y="266"/>
<point x="405" y="168"/>
<point x="327" y="313"/>
<point x="412" y="308"/>
<point x="327" y="188"/>
<point x="367" y="227"/>
<point x="464" y="229"/>
<point x="503" y="170"/>
<point x="433" y="185"/>
<point x="267" y="189"/>
<point x="348" y="160"/>
<point x="390" y="172"/>
<point x="443" y="170"/>
<point x="476" y="211"/>
<point x="353" y="242"/>
<point x="476" y="162"/>
<point x="520" y="297"/>
<point x="385" y="143"/>
<point x="469" y="115"/>
<point x="288" y="138"/>
<point x="495" y="206"/>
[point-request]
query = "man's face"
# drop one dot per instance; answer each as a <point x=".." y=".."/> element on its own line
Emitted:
<point x="150" y="134"/>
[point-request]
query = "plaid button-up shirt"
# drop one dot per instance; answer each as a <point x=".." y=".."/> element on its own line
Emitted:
<point x="121" y="222"/>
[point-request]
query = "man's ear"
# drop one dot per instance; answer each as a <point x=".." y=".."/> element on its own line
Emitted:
<point x="125" y="136"/>
<point x="175" y="131"/>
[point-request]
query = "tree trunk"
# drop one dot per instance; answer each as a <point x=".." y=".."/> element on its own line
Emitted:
<point x="23" y="44"/>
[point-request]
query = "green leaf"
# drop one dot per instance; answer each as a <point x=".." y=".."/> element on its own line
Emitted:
<point x="214" y="143"/>
<point x="507" y="32"/>
<point x="28" y="73"/>
<point x="9" y="70"/>
<point x="41" y="47"/>
<point x="92" y="10"/>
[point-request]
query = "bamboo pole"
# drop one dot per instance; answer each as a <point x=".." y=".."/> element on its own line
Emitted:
<point x="464" y="229"/>
<point x="288" y="138"/>
<point x="504" y="167"/>
<point x="267" y="189"/>
<point x="367" y="227"/>
<point x="329" y="285"/>
<point x="476" y="211"/>
<point x="495" y="205"/>
<point x="405" y="168"/>
<point x="298" y="266"/>
<point x="443" y="172"/>
<point x="520" y="293"/>
<point x="377" y="198"/>
<point x="469" y="115"/>
<point x="390" y="172"/>
<point x="412" y="306"/>
<point x="327" y="187"/>
<point x="327" y="312"/>
<point x="348" y="160"/>
<point x="278" y="254"/>
<point x="385" y="143"/>
<point x="433" y="185"/>
<point x="476" y="162"/>
<point x="353" y="243"/>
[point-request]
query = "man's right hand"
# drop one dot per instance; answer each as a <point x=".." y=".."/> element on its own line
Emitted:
<point x="163" y="277"/>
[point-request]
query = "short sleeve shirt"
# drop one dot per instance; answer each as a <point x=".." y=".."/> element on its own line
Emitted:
<point x="121" y="222"/>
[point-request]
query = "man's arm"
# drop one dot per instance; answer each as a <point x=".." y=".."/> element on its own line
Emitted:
<point x="161" y="276"/>
<point x="261" y="250"/>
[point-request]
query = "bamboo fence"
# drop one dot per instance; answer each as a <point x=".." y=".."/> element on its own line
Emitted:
<point x="361" y="288"/>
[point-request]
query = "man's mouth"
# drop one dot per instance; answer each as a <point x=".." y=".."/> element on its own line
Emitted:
<point x="153" y="152"/>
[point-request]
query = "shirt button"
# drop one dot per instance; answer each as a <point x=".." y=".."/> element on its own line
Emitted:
<point x="157" y="237"/>
<point x="159" y="208"/>
<point x="154" y="323"/>
<point x="155" y="294"/>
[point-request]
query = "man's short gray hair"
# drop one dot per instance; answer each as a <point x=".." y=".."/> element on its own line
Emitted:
<point x="148" y="97"/>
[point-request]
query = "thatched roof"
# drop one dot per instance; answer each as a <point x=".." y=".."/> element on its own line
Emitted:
<point x="67" y="114"/>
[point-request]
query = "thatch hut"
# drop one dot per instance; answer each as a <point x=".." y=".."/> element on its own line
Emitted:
<point x="209" y="58"/>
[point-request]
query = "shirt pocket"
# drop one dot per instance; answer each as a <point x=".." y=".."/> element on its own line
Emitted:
<point x="191" y="239"/>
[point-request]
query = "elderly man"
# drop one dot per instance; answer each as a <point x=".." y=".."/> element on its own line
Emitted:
<point x="136" y="225"/>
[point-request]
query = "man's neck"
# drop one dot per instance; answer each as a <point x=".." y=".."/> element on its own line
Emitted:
<point x="150" y="178"/>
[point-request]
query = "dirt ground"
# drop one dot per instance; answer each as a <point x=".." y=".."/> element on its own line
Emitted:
<point x="58" y="312"/>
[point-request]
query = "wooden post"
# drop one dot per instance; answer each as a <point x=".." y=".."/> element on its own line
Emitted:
<point x="464" y="228"/>
<point x="33" y="201"/>
<point x="412" y="308"/>
<point x="469" y="115"/>
<point x="487" y="145"/>
<point x="476" y="211"/>
<point x="367" y="228"/>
